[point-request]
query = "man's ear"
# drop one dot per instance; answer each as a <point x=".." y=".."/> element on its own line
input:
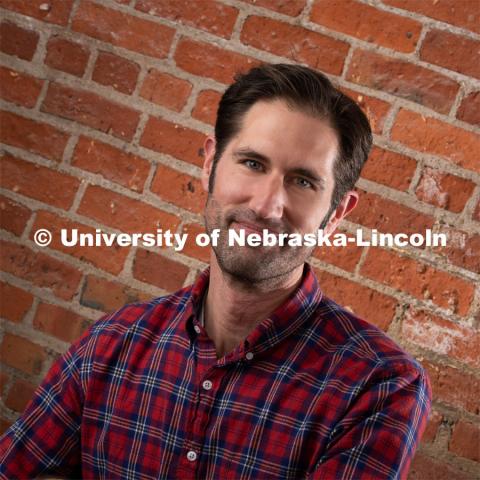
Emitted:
<point x="346" y="205"/>
<point x="209" y="152"/>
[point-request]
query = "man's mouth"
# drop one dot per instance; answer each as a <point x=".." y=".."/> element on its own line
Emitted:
<point x="251" y="227"/>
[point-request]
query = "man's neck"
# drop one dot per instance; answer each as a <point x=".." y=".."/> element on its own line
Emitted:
<point x="232" y="310"/>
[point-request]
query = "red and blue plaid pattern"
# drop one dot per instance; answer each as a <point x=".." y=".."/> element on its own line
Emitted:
<point x="313" y="392"/>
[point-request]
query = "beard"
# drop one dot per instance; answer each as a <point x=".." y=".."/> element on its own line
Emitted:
<point x="248" y="265"/>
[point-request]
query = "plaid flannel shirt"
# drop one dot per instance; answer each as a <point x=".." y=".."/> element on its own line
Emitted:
<point x="313" y="392"/>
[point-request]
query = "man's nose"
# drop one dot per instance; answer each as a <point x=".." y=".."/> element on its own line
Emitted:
<point x="268" y="198"/>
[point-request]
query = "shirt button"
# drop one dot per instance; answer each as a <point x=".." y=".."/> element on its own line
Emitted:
<point x="249" y="355"/>
<point x="197" y="328"/>
<point x="191" y="455"/>
<point x="207" y="384"/>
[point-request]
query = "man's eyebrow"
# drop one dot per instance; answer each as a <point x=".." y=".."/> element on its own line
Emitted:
<point x="304" y="172"/>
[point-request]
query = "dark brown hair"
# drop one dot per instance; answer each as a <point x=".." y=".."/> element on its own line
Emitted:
<point x="311" y="92"/>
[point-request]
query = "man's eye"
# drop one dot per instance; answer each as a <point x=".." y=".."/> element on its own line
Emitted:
<point x="253" y="164"/>
<point x="303" y="182"/>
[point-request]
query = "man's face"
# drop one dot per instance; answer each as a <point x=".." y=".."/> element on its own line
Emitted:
<point x="275" y="174"/>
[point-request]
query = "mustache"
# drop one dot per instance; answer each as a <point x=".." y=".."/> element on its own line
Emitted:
<point x="250" y="217"/>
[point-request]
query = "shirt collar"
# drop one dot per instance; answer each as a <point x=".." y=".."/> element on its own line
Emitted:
<point x="281" y="323"/>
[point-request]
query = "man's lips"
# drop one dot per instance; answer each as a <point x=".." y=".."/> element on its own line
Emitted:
<point x="252" y="228"/>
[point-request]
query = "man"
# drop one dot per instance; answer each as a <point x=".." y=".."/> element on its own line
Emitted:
<point x="251" y="373"/>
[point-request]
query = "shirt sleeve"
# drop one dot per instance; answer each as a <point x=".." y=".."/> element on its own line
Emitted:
<point x="378" y="436"/>
<point x="46" y="438"/>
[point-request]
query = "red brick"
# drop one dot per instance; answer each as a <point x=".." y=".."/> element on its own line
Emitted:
<point x="20" y="395"/>
<point x="123" y="30"/>
<point x="13" y="217"/>
<point x="92" y="110"/>
<point x="287" y="7"/>
<point x="476" y="213"/>
<point x="106" y="258"/>
<point x="116" y="72"/>
<point x="159" y="271"/>
<point x="444" y="190"/>
<point x="36" y="137"/>
<point x="166" y="90"/>
<point x="123" y="213"/>
<point x="451" y="51"/>
<point x="462" y="13"/>
<point x="389" y="168"/>
<point x="419" y="280"/>
<point x="18" y="41"/>
<point x="115" y="165"/>
<point x="441" y="336"/>
<point x="343" y="257"/>
<point x="40" y="183"/>
<point x="368" y="23"/>
<point x="57" y="12"/>
<point x="19" y="88"/>
<point x="465" y="440"/>
<point x="376" y="110"/>
<point x="4" y="379"/>
<point x="469" y="110"/>
<point x="173" y="139"/>
<point x="15" y="302"/>
<point x="67" y="56"/>
<point x="208" y="15"/>
<point x="20" y="353"/>
<point x="453" y="386"/>
<point x="206" y="60"/>
<point x="294" y="42"/>
<point x="424" y="467"/>
<point x="374" y="211"/>
<point x="192" y="249"/>
<point x="434" y="422"/>
<point x="206" y="107"/>
<point x="462" y="249"/>
<point x="373" y="306"/>
<point x="435" y="137"/>
<point x="59" y="322"/>
<point x="179" y="188"/>
<point x="40" y="269"/>
<point x="107" y="296"/>
<point x="403" y="79"/>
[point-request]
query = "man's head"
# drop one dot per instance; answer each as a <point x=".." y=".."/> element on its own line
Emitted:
<point x="288" y="149"/>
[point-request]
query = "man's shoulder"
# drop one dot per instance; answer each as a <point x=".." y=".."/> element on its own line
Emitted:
<point x="360" y="341"/>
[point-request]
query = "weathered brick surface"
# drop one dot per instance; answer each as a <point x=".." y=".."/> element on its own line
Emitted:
<point x="451" y="51"/>
<point x="111" y="163"/>
<point x="173" y="139"/>
<point x="36" y="137"/>
<point x="58" y="11"/>
<point x="368" y="23"/>
<point x="389" y="168"/>
<point x="92" y="110"/>
<point x="122" y="30"/>
<point x="419" y="279"/>
<point x="403" y="79"/>
<point x="432" y="136"/>
<point x="13" y="216"/>
<point x="115" y="71"/>
<point x="462" y="13"/>
<point x="67" y="56"/>
<point x="18" y="41"/>
<point x="298" y="44"/>
<point x="40" y="183"/>
<point x="444" y="190"/>
<point x="106" y="108"/>
<point x="469" y="110"/>
<point x="19" y="88"/>
<point x="166" y="90"/>
<point x="215" y="17"/>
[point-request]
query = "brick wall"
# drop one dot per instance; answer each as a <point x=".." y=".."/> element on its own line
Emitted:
<point x="105" y="106"/>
